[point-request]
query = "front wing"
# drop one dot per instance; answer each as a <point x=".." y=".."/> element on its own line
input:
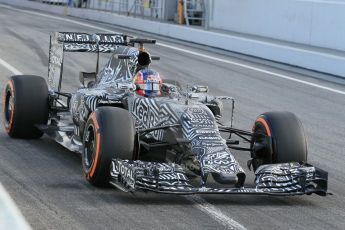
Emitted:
<point x="275" y="179"/>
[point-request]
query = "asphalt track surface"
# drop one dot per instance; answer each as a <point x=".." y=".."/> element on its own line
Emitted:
<point x="46" y="181"/>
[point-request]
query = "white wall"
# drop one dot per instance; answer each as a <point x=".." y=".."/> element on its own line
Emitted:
<point x="318" y="23"/>
<point x="322" y="60"/>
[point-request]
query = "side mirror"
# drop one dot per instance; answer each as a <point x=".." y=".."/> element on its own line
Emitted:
<point x="199" y="89"/>
<point x="127" y="86"/>
<point x="87" y="80"/>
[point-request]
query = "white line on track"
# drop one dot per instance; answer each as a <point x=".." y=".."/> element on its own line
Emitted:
<point x="214" y="213"/>
<point x="10" y="67"/>
<point x="192" y="53"/>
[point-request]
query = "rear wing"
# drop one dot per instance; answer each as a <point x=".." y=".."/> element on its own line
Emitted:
<point x="61" y="42"/>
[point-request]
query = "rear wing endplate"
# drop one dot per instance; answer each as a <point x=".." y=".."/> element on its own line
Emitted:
<point x="61" y="42"/>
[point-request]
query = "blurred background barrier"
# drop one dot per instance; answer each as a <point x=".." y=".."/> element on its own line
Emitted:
<point x="190" y="12"/>
<point x="53" y="2"/>
<point x="164" y="10"/>
<point x="304" y="33"/>
<point x="316" y="23"/>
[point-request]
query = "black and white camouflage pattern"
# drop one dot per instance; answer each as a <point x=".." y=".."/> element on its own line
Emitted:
<point x="277" y="179"/>
<point x="151" y="112"/>
<point x="193" y="117"/>
<point x="199" y="126"/>
<point x="286" y="176"/>
<point x="61" y="42"/>
<point x="151" y="175"/>
<point x="113" y="84"/>
<point x="56" y="53"/>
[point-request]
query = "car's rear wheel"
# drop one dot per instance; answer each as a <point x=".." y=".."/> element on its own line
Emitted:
<point x="25" y="105"/>
<point x="109" y="133"/>
<point x="278" y="138"/>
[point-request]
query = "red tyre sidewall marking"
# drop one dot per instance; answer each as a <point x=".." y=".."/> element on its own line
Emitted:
<point x="10" y="123"/>
<point x="264" y="123"/>
<point x="98" y="138"/>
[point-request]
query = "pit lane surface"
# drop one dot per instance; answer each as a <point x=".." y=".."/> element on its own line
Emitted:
<point x="46" y="180"/>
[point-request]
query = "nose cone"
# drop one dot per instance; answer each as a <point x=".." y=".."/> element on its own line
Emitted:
<point x="200" y="127"/>
<point x="223" y="178"/>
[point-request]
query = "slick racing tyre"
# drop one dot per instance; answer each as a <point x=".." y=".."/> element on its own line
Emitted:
<point x="278" y="138"/>
<point x="25" y="105"/>
<point x="109" y="133"/>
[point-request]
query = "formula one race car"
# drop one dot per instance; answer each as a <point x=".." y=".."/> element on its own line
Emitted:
<point x="139" y="133"/>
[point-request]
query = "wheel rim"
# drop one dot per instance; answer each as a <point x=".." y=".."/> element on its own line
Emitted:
<point x="89" y="147"/>
<point x="260" y="146"/>
<point x="8" y="108"/>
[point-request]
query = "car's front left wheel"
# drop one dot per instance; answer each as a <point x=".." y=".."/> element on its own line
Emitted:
<point x="278" y="137"/>
<point x="109" y="133"/>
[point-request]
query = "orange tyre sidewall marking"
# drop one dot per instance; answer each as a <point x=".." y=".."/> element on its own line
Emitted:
<point x="10" y="123"/>
<point x="262" y="121"/>
<point x="98" y="138"/>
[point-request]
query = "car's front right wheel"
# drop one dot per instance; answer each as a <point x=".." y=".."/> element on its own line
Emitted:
<point x="278" y="137"/>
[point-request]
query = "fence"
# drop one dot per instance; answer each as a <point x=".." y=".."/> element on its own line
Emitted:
<point x="53" y="2"/>
<point x="142" y="8"/>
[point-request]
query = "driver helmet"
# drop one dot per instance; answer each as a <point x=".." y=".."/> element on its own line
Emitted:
<point x="148" y="83"/>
